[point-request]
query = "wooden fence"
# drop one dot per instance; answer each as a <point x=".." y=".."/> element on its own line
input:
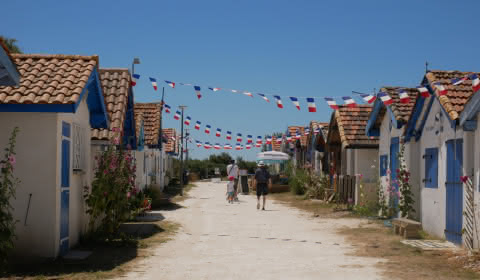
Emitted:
<point x="344" y="188"/>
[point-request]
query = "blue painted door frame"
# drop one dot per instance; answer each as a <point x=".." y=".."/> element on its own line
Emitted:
<point x="394" y="149"/>
<point x="65" y="189"/>
<point x="454" y="191"/>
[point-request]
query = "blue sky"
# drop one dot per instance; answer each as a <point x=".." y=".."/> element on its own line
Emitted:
<point x="291" y="48"/>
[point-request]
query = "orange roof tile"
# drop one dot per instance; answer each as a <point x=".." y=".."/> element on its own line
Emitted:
<point x="49" y="79"/>
<point x="458" y="96"/>
<point x="116" y="89"/>
<point x="150" y="114"/>
<point x="171" y="145"/>
<point x="351" y="125"/>
<point x="401" y="111"/>
<point x="293" y="131"/>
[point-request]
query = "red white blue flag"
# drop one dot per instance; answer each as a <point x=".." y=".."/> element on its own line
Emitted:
<point x="403" y="95"/>
<point x="349" y="102"/>
<point x="248" y="146"/>
<point x="258" y="145"/>
<point x="214" y="88"/>
<point x="279" y="140"/>
<point x="207" y="145"/>
<point x="331" y="102"/>
<point x="259" y="140"/>
<point x="264" y="97"/>
<point x="187" y="120"/>
<point x="249" y="139"/>
<point x="197" y="91"/>
<point x="311" y="105"/>
<point x="171" y="84"/>
<point x="154" y="83"/>
<point x="279" y="101"/>
<point x="248" y="93"/>
<point x="199" y="144"/>
<point x="440" y="88"/>
<point x="227" y="147"/>
<point x="298" y="135"/>
<point x="229" y="135"/>
<point x="386" y="99"/>
<point x="135" y="77"/>
<point x="368" y="98"/>
<point x="234" y="90"/>
<point x="289" y="137"/>
<point x="475" y="82"/>
<point x="207" y="129"/>
<point x="218" y="133"/>
<point x="316" y="131"/>
<point x="423" y="91"/>
<point x="239" y="137"/>
<point x="458" y="81"/>
<point x="167" y="108"/>
<point x="197" y="125"/>
<point x="295" y="102"/>
<point x="307" y="131"/>
<point x="238" y="147"/>
<point x="217" y="146"/>
<point x="177" y="115"/>
<point x="269" y="140"/>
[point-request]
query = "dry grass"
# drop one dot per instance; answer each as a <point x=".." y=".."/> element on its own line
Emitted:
<point x="372" y="239"/>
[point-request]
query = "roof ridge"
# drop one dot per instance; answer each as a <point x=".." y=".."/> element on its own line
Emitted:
<point x="114" y="69"/>
<point x="59" y="56"/>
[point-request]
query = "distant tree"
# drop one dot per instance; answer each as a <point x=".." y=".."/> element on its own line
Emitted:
<point x="11" y="44"/>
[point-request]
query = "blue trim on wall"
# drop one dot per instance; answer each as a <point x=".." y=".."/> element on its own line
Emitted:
<point x="66" y="129"/>
<point x="9" y="75"/>
<point x="129" y="135"/>
<point x="373" y="117"/>
<point x="411" y="125"/>
<point x="471" y="109"/>
<point x="96" y="103"/>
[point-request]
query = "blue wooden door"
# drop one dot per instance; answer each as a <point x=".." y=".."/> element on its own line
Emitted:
<point x="394" y="149"/>
<point x="64" y="189"/>
<point x="454" y="191"/>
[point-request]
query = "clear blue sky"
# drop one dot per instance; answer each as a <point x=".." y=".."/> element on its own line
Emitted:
<point x="293" y="48"/>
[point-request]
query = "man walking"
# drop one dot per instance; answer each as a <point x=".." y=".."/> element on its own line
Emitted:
<point x="232" y="171"/>
<point x="262" y="179"/>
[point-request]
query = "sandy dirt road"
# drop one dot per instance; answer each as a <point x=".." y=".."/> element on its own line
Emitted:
<point x="222" y="241"/>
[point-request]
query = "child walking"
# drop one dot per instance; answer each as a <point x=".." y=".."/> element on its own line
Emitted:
<point x="230" y="192"/>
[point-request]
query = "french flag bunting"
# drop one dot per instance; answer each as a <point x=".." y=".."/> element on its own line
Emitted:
<point x="248" y="93"/>
<point x="171" y="84"/>
<point x="289" y="138"/>
<point x="316" y="131"/>
<point x="177" y="115"/>
<point x="264" y="97"/>
<point x="135" y="77"/>
<point x="440" y="89"/>
<point x="197" y="125"/>
<point x="199" y="144"/>
<point x="311" y="105"/>
<point x="475" y="82"/>
<point x="217" y="146"/>
<point x="269" y="140"/>
<point x="298" y="135"/>
<point x="403" y="95"/>
<point x="279" y="101"/>
<point x="248" y="146"/>
<point x="187" y="120"/>
<point x="258" y="145"/>
<point x="239" y="137"/>
<point x="368" y="98"/>
<point x="227" y="147"/>
<point x="207" y="145"/>
<point x="331" y="102"/>
<point x="167" y="108"/>
<point x="259" y="140"/>
<point x="279" y="140"/>
<point x="229" y="135"/>
<point x="458" y="81"/>
<point x="214" y="88"/>
<point x="307" y="131"/>
<point x="249" y="139"/>
<point x="197" y="91"/>
<point x="349" y="102"/>
<point x="234" y="90"/>
<point x="423" y="91"/>
<point x="386" y="99"/>
<point x="218" y="133"/>
<point x="295" y="102"/>
<point x="207" y="129"/>
<point x="154" y="83"/>
<point x="238" y="147"/>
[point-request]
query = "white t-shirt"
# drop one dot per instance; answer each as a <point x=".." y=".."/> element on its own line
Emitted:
<point x="232" y="171"/>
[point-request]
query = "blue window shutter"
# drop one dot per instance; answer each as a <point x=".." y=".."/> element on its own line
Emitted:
<point x="65" y="163"/>
<point x="431" y="167"/>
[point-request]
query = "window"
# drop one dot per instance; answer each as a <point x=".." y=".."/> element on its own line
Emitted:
<point x="79" y="156"/>
<point x="383" y="165"/>
<point x="431" y="168"/>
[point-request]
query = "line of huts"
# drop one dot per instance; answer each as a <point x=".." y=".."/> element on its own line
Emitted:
<point x="442" y="145"/>
<point x="69" y="109"/>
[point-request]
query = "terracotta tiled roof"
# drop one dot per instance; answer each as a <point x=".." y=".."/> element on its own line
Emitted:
<point x="171" y="145"/>
<point x="116" y="88"/>
<point x="49" y="79"/>
<point x="276" y="146"/>
<point x="457" y="96"/>
<point x="401" y="111"/>
<point x="293" y="132"/>
<point x="351" y="125"/>
<point x="150" y="113"/>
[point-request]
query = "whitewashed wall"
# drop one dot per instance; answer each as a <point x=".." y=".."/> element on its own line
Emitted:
<point x="476" y="181"/>
<point x="365" y="161"/>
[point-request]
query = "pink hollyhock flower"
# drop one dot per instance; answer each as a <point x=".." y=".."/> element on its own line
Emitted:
<point x="350" y="200"/>
<point x="116" y="140"/>
<point x="115" y="129"/>
<point x="129" y="194"/>
<point x="388" y="171"/>
<point x="105" y="193"/>
<point x="105" y="171"/>
<point x="464" y="179"/>
<point x="12" y="159"/>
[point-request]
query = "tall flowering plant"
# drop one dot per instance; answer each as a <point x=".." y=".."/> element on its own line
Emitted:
<point x="112" y="189"/>
<point x="405" y="189"/>
<point x="8" y="184"/>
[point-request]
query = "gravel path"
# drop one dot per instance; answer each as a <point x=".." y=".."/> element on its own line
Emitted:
<point x="222" y="241"/>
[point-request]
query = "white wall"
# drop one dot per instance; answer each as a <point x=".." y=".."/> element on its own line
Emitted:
<point x="364" y="160"/>
<point x="152" y="165"/>
<point x="476" y="181"/>
<point x="37" y="170"/>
